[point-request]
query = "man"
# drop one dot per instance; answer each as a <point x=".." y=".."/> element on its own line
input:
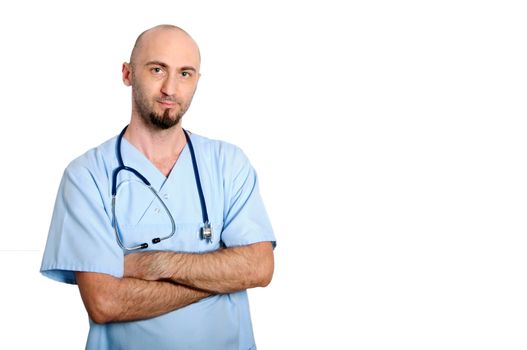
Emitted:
<point x="187" y="289"/>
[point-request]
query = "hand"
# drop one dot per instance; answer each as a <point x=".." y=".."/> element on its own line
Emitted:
<point x="149" y="266"/>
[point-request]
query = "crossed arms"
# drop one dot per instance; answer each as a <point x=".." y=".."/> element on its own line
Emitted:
<point x="155" y="283"/>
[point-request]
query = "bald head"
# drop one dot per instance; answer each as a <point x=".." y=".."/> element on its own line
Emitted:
<point x="163" y="71"/>
<point x="141" y="43"/>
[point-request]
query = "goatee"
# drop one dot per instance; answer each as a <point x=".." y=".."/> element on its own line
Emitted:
<point x="162" y="121"/>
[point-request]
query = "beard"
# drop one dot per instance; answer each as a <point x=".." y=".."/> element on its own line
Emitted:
<point x="164" y="121"/>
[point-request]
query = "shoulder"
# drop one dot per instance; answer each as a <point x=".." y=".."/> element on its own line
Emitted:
<point x="222" y="152"/>
<point x="95" y="162"/>
<point x="227" y="161"/>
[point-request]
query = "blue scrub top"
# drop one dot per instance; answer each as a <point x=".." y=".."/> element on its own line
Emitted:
<point x="81" y="236"/>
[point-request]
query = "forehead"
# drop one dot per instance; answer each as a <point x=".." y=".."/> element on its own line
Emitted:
<point x="173" y="47"/>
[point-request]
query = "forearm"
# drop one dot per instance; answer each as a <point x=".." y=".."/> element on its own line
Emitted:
<point x="111" y="299"/>
<point x="223" y="271"/>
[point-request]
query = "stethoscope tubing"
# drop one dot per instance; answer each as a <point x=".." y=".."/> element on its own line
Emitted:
<point x="121" y="167"/>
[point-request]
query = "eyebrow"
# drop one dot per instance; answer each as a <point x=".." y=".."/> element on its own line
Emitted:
<point x="164" y="65"/>
<point x="188" y="68"/>
<point x="156" y="63"/>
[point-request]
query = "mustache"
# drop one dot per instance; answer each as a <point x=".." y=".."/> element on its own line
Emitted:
<point x="168" y="99"/>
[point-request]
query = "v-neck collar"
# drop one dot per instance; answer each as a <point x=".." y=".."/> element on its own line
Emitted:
<point x="134" y="158"/>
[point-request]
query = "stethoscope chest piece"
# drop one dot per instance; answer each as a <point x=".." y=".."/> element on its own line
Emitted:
<point x="206" y="232"/>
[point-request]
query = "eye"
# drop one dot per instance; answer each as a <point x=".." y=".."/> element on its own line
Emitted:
<point x="186" y="74"/>
<point x="156" y="70"/>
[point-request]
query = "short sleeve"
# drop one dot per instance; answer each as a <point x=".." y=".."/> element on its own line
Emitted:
<point x="81" y="236"/>
<point x="245" y="220"/>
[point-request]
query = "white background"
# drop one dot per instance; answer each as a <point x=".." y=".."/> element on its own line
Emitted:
<point x="389" y="137"/>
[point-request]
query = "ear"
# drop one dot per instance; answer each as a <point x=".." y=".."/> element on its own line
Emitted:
<point x="127" y="74"/>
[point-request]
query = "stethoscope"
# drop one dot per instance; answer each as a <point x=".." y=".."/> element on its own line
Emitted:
<point x="206" y="230"/>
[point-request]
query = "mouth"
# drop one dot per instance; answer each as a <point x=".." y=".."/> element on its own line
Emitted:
<point x="167" y="104"/>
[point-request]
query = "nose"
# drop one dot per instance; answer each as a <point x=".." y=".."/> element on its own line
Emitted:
<point x="170" y="85"/>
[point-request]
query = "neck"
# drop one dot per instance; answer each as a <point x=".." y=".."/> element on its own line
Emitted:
<point x="161" y="147"/>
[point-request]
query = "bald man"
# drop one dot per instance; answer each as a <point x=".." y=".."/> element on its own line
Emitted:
<point x="162" y="230"/>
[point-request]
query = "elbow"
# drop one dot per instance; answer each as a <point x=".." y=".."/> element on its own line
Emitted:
<point x="97" y="293"/>
<point x="99" y="309"/>
<point x="99" y="318"/>
<point x="265" y="274"/>
<point x="265" y="280"/>
<point x="264" y="265"/>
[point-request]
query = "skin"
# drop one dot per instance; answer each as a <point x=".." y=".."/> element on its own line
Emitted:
<point x="223" y="271"/>
<point x="163" y="73"/>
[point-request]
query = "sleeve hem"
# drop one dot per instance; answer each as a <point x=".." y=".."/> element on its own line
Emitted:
<point x="66" y="274"/>
<point x="240" y="243"/>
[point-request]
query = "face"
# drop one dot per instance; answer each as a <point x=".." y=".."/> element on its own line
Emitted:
<point x="164" y="77"/>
